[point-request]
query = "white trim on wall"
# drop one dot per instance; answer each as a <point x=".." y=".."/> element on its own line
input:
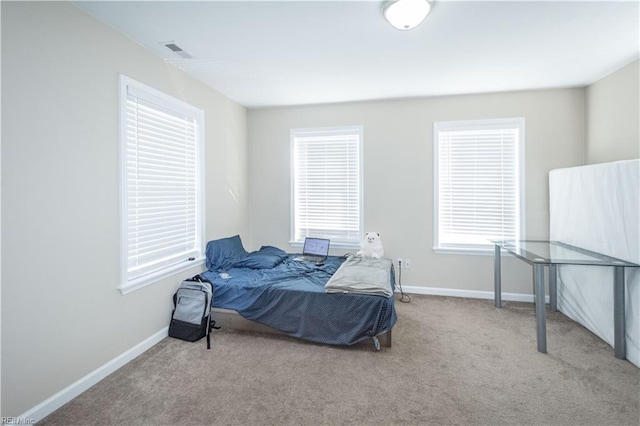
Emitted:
<point x="468" y="294"/>
<point x="177" y="115"/>
<point x="51" y="404"/>
<point x="327" y="132"/>
<point x="499" y="129"/>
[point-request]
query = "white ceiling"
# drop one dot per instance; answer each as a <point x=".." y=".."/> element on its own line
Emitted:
<point x="268" y="53"/>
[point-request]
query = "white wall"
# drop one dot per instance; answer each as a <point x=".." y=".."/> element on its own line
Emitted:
<point x="613" y="116"/>
<point x="398" y="173"/>
<point x="62" y="313"/>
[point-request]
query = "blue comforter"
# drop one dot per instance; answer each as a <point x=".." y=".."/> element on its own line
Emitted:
<point x="291" y="298"/>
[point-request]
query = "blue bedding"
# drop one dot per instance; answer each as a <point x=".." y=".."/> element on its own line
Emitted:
<point x="290" y="296"/>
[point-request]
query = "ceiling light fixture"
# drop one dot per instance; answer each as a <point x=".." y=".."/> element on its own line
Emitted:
<point x="405" y="14"/>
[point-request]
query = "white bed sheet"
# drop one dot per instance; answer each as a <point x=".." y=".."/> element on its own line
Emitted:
<point x="362" y="275"/>
<point x="597" y="207"/>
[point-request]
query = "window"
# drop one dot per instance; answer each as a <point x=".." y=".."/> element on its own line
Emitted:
<point x="161" y="184"/>
<point x="327" y="185"/>
<point x="478" y="183"/>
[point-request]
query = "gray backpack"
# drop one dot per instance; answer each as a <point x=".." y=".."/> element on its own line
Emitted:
<point x="191" y="317"/>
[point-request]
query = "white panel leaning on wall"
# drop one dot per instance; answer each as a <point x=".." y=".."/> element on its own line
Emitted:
<point x="597" y="207"/>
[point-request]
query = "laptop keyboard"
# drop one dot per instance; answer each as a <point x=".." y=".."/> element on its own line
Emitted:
<point x="310" y="258"/>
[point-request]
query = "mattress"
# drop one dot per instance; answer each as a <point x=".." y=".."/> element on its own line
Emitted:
<point x="597" y="207"/>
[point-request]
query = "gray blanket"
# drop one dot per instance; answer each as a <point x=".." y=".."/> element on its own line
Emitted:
<point x="363" y="276"/>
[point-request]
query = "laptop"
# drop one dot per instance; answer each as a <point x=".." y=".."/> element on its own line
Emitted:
<point x="314" y="250"/>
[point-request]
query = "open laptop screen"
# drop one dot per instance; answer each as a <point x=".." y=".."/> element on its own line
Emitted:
<point x="315" y="247"/>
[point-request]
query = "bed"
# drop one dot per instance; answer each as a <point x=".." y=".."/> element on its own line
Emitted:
<point x="272" y="290"/>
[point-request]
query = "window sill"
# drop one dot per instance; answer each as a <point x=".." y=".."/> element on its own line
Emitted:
<point x="154" y="277"/>
<point x="488" y="251"/>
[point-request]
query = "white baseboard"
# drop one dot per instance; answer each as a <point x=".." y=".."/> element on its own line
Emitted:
<point x="50" y="405"/>
<point x="471" y="294"/>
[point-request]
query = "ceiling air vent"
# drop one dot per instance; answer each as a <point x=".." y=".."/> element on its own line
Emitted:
<point x="177" y="50"/>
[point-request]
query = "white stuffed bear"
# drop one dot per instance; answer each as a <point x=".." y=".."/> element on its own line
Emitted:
<point x="371" y="246"/>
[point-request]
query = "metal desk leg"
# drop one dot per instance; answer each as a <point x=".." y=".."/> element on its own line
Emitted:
<point x="496" y="278"/>
<point x="619" y="326"/>
<point x="541" y="322"/>
<point x="553" y="287"/>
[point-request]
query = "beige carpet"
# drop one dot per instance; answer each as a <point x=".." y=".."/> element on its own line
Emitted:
<point x="453" y="361"/>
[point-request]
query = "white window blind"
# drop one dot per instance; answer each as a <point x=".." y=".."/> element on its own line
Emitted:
<point x="478" y="182"/>
<point x="327" y="200"/>
<point x="162" y="220"/>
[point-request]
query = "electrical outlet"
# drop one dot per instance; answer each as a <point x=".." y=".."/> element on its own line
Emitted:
<point x="404" y="263"/>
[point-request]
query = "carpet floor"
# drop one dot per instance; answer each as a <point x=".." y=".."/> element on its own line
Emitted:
<point x="453" y="361"/>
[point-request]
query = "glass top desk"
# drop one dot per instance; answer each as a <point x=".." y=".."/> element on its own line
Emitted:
<point x="553" y="253"/>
